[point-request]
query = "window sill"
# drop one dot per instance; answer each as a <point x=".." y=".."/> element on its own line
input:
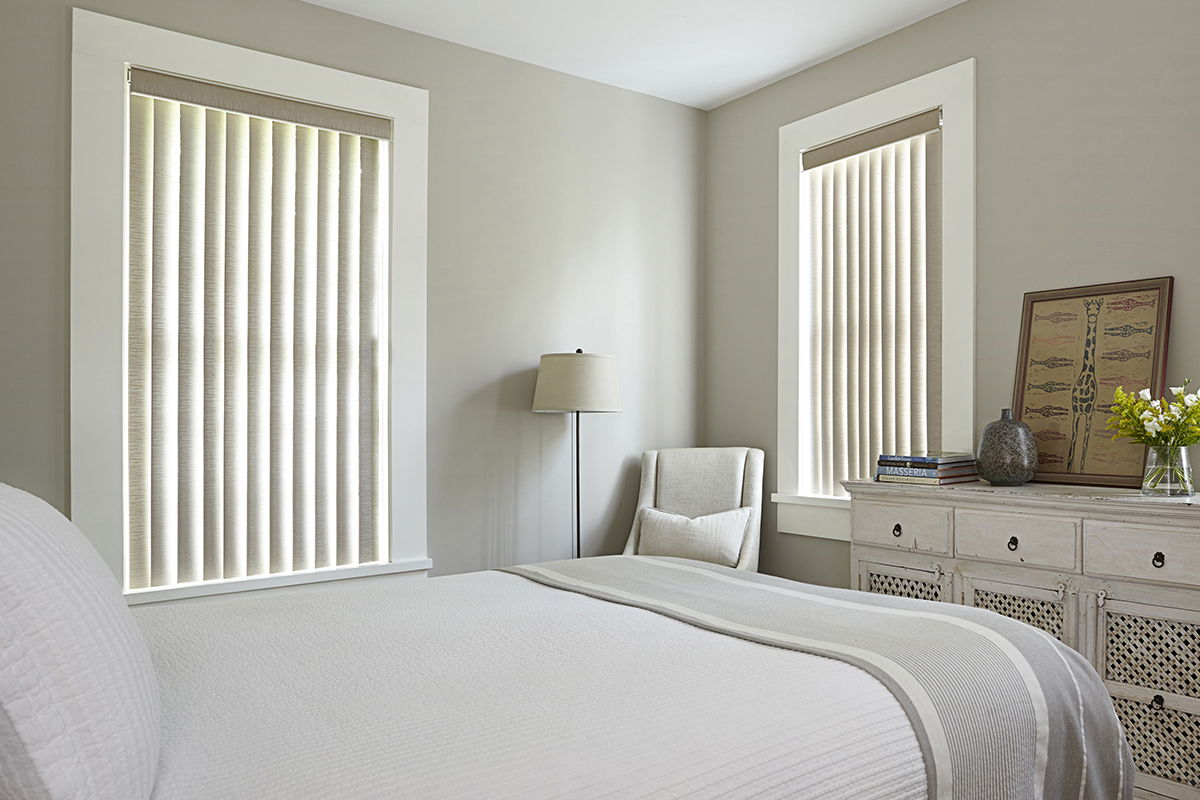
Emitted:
<point x="810" y="500"/>
<point x="811" y="515"/>
<point x="158" y="595"/>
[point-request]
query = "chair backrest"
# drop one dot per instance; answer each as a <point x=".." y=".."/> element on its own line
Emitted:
<point x="694" y="481"/>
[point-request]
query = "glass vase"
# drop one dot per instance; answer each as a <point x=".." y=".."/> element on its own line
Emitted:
<point x="1168" y="473"/>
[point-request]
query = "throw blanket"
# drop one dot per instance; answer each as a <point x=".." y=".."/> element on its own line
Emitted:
<point x="1002" y="710"/>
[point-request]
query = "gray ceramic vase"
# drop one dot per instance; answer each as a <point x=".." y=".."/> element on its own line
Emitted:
<point x="1008" y="453"/>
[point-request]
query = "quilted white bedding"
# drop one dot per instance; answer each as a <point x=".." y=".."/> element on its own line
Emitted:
<point x="490" y="685"/>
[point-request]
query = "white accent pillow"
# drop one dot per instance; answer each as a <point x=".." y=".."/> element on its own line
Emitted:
<point x="79" y="704"/>
<point x="716" y="538"/>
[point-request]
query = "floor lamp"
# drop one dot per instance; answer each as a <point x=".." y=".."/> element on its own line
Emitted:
<point x="577" y="383"/>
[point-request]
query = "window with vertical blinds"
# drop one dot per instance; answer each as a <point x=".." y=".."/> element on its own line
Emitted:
<point x="256" y="341"/>
<point x="873" y="361"/>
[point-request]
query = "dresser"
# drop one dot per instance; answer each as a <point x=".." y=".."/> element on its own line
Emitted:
<point x="1107" y="572"/>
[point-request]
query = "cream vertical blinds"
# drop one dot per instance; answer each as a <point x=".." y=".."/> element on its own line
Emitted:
<point x="257" y="253"/>
<point x="875" y="358"/>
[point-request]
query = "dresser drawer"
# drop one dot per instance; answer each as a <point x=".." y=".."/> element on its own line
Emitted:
<point x="1142" y="553"/>
<point x="925" y="528"/>
<point x="1016" y="538"/>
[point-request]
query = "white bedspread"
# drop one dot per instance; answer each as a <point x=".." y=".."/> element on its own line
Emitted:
<point x="489" y="685"/>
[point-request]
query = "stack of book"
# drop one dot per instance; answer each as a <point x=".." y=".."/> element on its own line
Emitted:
<point x="936" y="468"/>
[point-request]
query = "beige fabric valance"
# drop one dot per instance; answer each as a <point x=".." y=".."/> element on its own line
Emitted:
<point x="892" y="132"/>
<point x="243" y="101"/>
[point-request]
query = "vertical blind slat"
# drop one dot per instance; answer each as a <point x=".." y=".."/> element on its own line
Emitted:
<point x="829" y="257"/>
<point x="853" y="373"/>
<point x="382" y="355"/>
<point x="816" y="328"/>
<point x="887" y="278"/>
<point x="214" y="345"/>
<point x="258" y="353"/>
<point x="257" y="252"/>
<point x="933" y="287"/>
<point x="329" y="167"/>
<point x="917" y="326"/>
<point x="350" y="180"/>
<point x="304" y="441"/>
<point x="141" y="232"/>
<point x="237" y="244"/>
<point x="902" y="250"/>
<point x="841" y="461"/>
<point x="283" y="265"/>
<point x="876" y="344"/>
<point x="368" y="348"/>
<point x="164" y="354"/>
<point x="865" y="453"/>
<point x="876" y="324"/>
<point x="191" y="344"/>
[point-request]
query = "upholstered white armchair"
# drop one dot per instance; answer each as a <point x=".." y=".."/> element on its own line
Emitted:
<point x="699" y="481"/>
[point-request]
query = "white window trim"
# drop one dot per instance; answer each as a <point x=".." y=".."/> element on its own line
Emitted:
<point x="102" y="49"/>
<point x="952" y="88"/>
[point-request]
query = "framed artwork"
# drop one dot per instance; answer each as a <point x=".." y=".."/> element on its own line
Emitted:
<point x="1077" y="346"/>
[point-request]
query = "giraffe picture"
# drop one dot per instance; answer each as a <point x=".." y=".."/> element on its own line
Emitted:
<point x="1076" y="346"/>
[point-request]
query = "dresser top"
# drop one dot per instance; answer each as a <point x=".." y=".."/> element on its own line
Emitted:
<point x="1030" y="494"/>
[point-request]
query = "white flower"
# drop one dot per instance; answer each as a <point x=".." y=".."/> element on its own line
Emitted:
<point x="1147" y="414"/>
<point x="1144" y="394"/>
<point x="1152" y="427"/>
<point x="1156" y="405"/>
<point x="1177" y="390"/>
<point x="1190" y="400"/>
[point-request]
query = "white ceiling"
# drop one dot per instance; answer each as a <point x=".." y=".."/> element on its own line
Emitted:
<point x="698" y="52"/>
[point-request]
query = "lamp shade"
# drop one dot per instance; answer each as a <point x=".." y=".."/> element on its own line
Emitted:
<point x="577" y="382"/>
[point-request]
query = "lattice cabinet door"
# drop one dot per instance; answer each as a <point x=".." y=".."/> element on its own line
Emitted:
<point x="922" y="584"/>
<point x="1149" y="657"/>
<point x="1052" y="606"/>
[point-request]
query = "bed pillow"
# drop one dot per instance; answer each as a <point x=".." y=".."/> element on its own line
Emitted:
<point x="79" y="704"/>
<point x="716" y="538"/>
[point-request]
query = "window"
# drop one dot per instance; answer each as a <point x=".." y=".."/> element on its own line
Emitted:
<point x="876" y="289"/>
<point x="255" y="370"/>
<point x="872" y="366"/>
<point x="248" y="326"/>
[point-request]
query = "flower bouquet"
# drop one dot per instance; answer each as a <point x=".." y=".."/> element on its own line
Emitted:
<point x="1167" y="427"/>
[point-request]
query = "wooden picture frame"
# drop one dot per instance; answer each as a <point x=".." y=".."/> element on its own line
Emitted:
<point x="1077" y="345"/>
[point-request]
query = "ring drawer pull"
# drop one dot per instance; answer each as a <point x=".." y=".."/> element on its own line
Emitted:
<point x="1013" y="543"/>
<point x="1159" y="560"/>
<point x="897" y="530"/>
<point x="1158" y="703"/>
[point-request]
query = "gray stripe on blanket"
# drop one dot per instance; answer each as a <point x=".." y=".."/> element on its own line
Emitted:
<point x="1001" y="709"/>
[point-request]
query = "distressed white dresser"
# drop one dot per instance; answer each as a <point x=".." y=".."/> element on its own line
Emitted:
<point x="1109" y="573"/>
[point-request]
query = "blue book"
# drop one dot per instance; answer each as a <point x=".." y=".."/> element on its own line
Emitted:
<point x="932" y="471"/>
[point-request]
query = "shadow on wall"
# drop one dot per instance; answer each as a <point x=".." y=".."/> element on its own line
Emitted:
<point x="617" y="519"/>
<point x="518" y="465"/>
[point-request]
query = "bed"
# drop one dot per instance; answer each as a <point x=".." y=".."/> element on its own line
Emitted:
<point x="619" y="676"/>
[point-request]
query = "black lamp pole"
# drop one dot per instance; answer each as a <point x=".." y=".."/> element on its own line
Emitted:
<point x="578" y="548"/>
<point x="578" y="481"/>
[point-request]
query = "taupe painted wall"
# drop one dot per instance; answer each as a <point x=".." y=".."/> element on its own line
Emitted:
<point x="1088" y="162"/>
<point x="562" y="214"/>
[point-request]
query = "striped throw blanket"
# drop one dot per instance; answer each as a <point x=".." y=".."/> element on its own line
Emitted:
<point x="1002" y="710"/>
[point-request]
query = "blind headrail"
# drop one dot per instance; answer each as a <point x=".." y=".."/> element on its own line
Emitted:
<point x="152" y="83"/>
<point x="855" y="143"/>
